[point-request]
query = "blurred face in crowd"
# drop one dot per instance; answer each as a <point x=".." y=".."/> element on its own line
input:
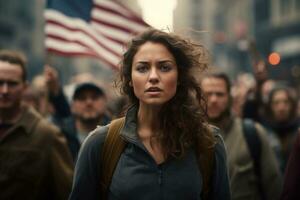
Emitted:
<point x="217" y="97"/>
<point x="154" y="74"/>
<point x="281" y="106"/>
<point x="12" y="85"/>
<point x="89" y="106"/>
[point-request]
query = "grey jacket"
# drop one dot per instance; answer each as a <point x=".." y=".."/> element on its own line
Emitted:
<point x="137" y="176"/>
<point x="243" y="180"/>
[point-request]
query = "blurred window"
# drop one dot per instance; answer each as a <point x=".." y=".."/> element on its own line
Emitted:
<point x="285" y="11"/>
<point x="284" y="6"/>
<point x="298" y="5"/>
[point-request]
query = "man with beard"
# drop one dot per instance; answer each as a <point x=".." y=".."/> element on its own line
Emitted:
<point x="35" y="162"/>
<point x="244" y="179"/>
<point x="87" y="111"/>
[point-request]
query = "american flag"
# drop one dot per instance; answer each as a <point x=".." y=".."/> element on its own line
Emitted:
<point x="97" y="28"/>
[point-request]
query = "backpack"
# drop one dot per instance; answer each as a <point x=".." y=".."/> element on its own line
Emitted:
<point x="254" y="146"/>
<point x="114" y="146"/>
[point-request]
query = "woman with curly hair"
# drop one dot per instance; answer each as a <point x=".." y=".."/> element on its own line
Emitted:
<point x="165" y="131"/>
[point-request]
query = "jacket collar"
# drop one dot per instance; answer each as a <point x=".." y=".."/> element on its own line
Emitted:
<point x="28" y="120"/>
<point x="129" y="131"/>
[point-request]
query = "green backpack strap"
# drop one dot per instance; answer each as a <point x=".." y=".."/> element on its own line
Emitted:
<point x="205" y="153"/>
<point x="111" y="152"/>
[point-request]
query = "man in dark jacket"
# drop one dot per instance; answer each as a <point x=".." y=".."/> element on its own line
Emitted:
<point x="35" y="162"/>
<point x="88" y="109"/>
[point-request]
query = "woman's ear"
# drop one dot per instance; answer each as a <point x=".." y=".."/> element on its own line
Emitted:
<point x="130" y="83"/>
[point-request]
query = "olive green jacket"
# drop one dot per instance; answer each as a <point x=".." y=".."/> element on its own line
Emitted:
<point x="243" y="180"/>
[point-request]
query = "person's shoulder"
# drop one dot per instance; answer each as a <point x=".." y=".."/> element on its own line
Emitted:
<point x="262" y="132"/>
<point x="220" y="149"/>
<point x="37" y="124"/>
<point x="48" y="132"/>
<point x="97" y="136"/>
<point x="248" y="124"/>
<point x="91" y="148"/>
<point x="47" y="126"/>
<point x="251" y="122"/>
<point x="216" y="133"/>
<point x="67" y="125"/>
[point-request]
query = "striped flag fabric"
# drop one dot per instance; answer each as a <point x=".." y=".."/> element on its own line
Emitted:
<point x="97" y="28"/>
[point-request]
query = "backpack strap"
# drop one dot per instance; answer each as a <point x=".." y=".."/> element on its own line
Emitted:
<point x="206" y="162"/>
<point x="114" y="146"/>
<point x="112" y="149"/>
<point x="254" y="146"/>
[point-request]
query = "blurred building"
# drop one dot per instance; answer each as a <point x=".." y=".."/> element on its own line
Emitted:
<point x="277" y="29"/>
<point x="20" y="24"/>
<point x="227" y="27"/>
<point x="22" y="29"/>
<point x="223" y="26"/>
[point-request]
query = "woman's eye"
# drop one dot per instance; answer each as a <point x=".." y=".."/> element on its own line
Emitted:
<point x="165" y="68"/>
<point x="142" y="68"/>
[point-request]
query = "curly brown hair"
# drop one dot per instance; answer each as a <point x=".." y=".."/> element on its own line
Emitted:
<point x="183" y="118"/>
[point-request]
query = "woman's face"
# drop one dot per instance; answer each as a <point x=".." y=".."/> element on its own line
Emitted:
<point x="281" y="106"/>
<point x="154" y="74"/>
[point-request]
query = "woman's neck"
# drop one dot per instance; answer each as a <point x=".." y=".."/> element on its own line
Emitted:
<point x="148" y="121"/>
<point x="148" y="128"/>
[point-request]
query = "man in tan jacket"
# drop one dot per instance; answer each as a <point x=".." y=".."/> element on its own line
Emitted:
<point x="246" y="180"/>
<point x="35" y="162"/>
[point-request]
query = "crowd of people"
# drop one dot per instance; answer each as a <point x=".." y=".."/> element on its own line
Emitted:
<point x="177" y="130"/>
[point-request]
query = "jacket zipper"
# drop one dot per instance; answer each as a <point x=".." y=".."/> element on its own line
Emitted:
<point x="159" y="167"/>
<point x="160" y="181"/>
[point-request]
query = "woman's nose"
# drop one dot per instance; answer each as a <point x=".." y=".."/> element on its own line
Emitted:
<point x="153" y="76"/>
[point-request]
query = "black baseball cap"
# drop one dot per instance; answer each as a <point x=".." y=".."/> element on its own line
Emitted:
<point x="87" y="86"/>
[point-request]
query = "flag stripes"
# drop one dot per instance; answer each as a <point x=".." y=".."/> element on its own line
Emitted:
<point x="104" y="36"/>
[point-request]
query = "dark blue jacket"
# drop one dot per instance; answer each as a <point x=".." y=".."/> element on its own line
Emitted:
<point x="64" y="119"/>
<point x="137" y="176"/>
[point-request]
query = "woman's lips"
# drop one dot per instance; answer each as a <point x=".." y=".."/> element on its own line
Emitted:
<point x="153" y="89"/>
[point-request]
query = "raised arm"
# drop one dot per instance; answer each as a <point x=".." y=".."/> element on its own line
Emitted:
<point x="56" y="95"/>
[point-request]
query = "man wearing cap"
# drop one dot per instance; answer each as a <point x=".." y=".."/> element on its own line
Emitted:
<point x="87" y="109"/>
